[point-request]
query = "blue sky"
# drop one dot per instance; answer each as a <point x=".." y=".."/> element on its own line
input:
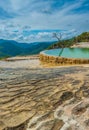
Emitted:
<point x="36" y="20"/>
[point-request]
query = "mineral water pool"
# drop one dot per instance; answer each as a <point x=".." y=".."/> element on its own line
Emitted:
<point x="82" y="53"/>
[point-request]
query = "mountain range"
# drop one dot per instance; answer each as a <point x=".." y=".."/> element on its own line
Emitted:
<point x="10" y="48"/>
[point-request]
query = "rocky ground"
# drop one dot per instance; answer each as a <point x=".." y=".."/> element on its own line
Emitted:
<point x="38" y="98"/>
<point x="81" y="45"/>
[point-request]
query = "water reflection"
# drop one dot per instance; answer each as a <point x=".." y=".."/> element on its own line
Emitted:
<point x="70" y="52"/>
<point x="60" y="53"/>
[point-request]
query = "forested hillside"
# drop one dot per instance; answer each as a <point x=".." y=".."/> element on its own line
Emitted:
<point x="10" y="48"/>
<point x="84" y="37"/>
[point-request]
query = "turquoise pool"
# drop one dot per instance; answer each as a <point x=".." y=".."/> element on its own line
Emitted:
<point x="82" y="53"/>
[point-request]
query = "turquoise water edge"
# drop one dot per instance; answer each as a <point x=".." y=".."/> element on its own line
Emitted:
<point x="82" y="53"/>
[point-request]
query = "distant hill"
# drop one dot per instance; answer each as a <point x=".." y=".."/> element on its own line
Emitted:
<point x="84" y="37"/>
<point x="10" y="48"/>
<point x="13" y="48"/>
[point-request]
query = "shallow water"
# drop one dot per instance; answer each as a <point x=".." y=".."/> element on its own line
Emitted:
<point x="69" y="52"/>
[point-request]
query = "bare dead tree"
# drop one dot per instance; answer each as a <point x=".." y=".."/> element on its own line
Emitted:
<point x="59" y="38"/>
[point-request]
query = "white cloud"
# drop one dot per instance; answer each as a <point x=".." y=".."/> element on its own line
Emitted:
<point x="42" y="15"/>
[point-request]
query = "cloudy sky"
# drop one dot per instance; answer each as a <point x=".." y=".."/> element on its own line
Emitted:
<point x="36" y="20"/>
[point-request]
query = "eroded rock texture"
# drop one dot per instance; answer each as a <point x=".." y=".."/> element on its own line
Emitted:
<point x="44" y="99"/>
<point x="59" y="61"/>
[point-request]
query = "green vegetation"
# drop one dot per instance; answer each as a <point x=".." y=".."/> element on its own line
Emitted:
<point x="12" y="48"/>
<point x="4" y="57"/>
<point x="84" y="37"/>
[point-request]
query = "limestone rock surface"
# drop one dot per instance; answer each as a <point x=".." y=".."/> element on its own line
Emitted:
<point x="44" y="98"/>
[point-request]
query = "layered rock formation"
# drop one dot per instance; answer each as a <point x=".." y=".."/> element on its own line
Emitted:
<point x="44" y="98"/>
<point x="55" y="60"/>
